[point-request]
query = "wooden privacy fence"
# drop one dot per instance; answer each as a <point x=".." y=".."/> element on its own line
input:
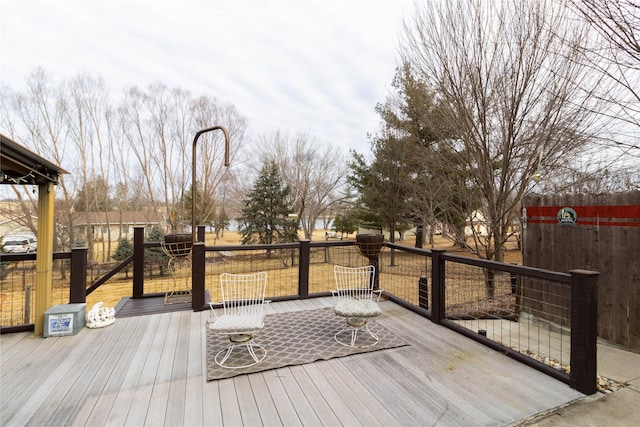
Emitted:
<point x="599" y="232"/>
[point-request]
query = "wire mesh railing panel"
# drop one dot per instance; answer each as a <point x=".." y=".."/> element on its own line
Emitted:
<point x="280" y="264"/>
<point x="18" y="293"/>
<point x="18" y="290"/>
<point x="321" y="262"/>
<point x="530" y="316"/>
<point x="401" y="274"/>
<point x="158" y="277"/>
<point x="61" y="282"/>
<point x="471" y="290"/>
<point x="544" y="307"/>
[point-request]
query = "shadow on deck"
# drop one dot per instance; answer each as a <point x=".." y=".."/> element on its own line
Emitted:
<point x="129" y="307"/>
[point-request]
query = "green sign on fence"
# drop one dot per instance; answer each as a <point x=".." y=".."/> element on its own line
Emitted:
<point x="567" y="216"/>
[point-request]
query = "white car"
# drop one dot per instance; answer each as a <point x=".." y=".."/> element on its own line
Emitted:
<point x="19" y="243"/>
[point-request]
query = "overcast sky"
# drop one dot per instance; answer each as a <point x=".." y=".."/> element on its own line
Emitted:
<point x="314" y="66"/>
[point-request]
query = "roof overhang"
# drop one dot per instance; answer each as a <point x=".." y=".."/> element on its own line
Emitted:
<point x="23" y="167"/>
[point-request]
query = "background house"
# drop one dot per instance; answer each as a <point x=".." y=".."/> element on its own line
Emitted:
<point x="113" y="225"/>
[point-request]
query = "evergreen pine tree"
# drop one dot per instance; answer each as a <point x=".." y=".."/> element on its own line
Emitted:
<point x="265" y="216"/>
<point x="221" y="222"/>
<point x="155" y="255"/>
<point x="124" y="250"/>
<point x="345" y="223"/>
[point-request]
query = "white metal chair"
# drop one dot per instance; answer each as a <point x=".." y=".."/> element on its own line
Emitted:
<point x="356" y="301"/>
<point x="243" y="315"/>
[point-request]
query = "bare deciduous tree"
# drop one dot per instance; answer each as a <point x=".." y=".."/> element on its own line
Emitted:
<point x="314" y="173"/>
<point x="37" y="119"/>
<point x="85" y="121"/>
<point x="515" y="96"/>
<point x="142" y="148"/>
<point x="212" y="175"/>
<point x="617" y="53"/>
<point x="158" y="127"/>
<point x="138" y="145"/>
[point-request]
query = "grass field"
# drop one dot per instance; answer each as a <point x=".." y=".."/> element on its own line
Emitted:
<point x="17" y="290"/>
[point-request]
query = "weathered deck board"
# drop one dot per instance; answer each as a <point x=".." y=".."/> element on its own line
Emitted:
<point x="150" y="370"/>
<point x="312" y="394"/>
<point x="124" y="396"/>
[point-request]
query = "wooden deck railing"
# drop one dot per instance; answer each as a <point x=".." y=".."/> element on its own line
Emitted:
<point x="427" y="282"/>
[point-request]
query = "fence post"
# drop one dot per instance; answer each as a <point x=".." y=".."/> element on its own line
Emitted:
<point x="437" y="286"/>
<point x="138" y="262"/>
<point x="78" y="276"/>
<point x="197" y="276"/>
<point x="303" y="268"/>
<point x="584" y="331"/>
<point x="200" y="233"/>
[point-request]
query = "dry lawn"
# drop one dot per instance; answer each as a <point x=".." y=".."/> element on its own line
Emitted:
<point x="14" y="289"/>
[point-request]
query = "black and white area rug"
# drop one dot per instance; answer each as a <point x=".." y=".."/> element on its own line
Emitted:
<point x="296" y="338"/>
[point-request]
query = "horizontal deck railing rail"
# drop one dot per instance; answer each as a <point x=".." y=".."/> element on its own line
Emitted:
<point x="543" y="318"/>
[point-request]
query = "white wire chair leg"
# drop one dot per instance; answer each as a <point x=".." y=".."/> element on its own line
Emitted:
<point x="251" y="348"/>
<point x="228" y="350"/>
<point x="354" y="337"/>
<point x="354" y="333"/>
<point x="252" y="352"/>
<point x="374" y="336"/>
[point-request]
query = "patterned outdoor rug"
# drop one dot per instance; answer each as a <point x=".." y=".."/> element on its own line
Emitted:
<point x="296" y="338"/>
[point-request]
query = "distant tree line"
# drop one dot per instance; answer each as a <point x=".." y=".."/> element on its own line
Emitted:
<point x="135" y="155"/>
<point x="491" y="101"/>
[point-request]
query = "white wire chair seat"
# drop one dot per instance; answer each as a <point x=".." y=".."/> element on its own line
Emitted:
<point x="237" y="325"/>
<point x="356" y="301"/>
<point x="357" y="308"/>
<point x="243" y="315"/>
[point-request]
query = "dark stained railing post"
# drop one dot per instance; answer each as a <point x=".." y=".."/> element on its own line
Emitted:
<point x="197" y="276"/>
<point x="303" y="268"/>
<point x="138" y="262"/>
<point x="200" y="233"/>
<point x="584" y="331"/>
<point x="437" y="286"/>
<point x="78" y="277"/>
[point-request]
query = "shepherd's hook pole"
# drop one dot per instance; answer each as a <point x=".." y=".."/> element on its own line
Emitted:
<point x="193" y="172"/>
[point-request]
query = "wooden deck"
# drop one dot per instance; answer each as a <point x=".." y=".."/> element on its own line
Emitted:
<point x="129" y="307"/>
<point x="150" y="370"/>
